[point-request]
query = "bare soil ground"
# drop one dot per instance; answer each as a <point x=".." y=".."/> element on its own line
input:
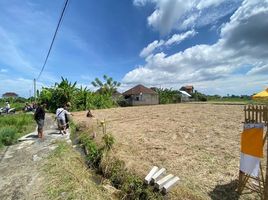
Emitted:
<point x="200" y="143"/>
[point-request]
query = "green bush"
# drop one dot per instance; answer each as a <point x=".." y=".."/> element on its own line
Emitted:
<point x="108" y="141"/>
<point x="94" y="153"/>
<point x="80" y="98"/>
<point x="8" y="135"/>
<point x="167" y="96"/>
<point x="14" y="126"/>
<point x="131" y="186"/>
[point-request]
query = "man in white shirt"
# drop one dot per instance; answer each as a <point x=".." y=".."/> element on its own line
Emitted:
<point x="61" y="115"/>
<point x="7" y="107"/>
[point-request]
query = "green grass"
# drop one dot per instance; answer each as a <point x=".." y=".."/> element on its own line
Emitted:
<point x="100" y="158"/>
<point x="67" y="176"/>
<point x="13" y="127"/>
<point x="230" y="101"/>
<point x="17" y="105"/>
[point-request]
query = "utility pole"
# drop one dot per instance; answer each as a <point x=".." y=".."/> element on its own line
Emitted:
<point x="35" y="90"/>
<point x="30" y="94"/>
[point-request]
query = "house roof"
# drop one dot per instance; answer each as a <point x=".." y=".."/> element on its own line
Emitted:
<point x="189" y="87"/>
<point x="139" y="89"/>
<point x="10" y="94"/>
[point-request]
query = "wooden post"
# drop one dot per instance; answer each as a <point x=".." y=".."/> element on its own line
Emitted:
<point x="266" y="176"/>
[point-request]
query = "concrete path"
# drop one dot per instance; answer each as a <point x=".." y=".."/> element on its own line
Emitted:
<point x="20" y="176"/>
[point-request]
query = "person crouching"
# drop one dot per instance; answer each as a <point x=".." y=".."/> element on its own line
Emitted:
<point x="61" y="115"/>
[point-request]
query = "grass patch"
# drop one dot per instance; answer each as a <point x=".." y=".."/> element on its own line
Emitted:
<point x="99" y="156"/>
<point x="13" y="127"/>
<point x="68" y="177"/>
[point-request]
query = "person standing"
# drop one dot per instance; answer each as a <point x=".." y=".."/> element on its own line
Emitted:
<point x="39" y="117"/>
<point x="7" y="107"/>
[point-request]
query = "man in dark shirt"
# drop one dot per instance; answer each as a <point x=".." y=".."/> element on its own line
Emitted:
<point x="39" y="117"/>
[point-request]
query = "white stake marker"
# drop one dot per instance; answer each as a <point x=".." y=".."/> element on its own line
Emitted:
<point x="149" y="176"/>
<point x="159" y="184"/>
<point x="157" y="174"/>
<point x="167" y="186"/>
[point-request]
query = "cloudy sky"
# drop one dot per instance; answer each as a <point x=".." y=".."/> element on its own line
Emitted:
<point x="219" y="46"/>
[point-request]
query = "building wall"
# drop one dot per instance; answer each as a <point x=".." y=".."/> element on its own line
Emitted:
<point x="144" y="99"/>
<point x="184" y="98"/>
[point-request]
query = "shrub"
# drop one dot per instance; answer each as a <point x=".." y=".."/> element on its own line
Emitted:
<point x="131" y="186"/>
<point x="94" y="155"/>
<point x="14" y="126"/>
<point x="108" y="141"/>
<point x="8" y="135"/>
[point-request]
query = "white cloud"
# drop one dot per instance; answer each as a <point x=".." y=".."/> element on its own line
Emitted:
<point x="151" y="47"/>
<point x="178" y="38"/>
<point x="175" y="39"/>
<point x="207" y="3"/>
<point x="243" y="43"/>
<point x="180" y="15"/>
<point x="3" y="70"/>
<point x="142" y="2"/>
<point x="167" y="13"/>
<point x="258" y="70"/>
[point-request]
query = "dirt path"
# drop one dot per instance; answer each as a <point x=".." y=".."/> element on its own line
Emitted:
<point x="20" y="164"/>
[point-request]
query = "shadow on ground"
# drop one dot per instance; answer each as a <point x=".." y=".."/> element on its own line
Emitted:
<point x="32" y="136"/>
<point x="225" y="192"/>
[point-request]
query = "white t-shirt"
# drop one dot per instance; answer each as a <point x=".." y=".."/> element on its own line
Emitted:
<point x="60" y="113"/>
<point x="7" y="106"/>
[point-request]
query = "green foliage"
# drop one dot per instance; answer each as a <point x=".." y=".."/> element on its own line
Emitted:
<point x="108" y="141"/>
<point x="80" y="98"/>
<point x="167" y="96"/>
<point x="108" y="87"/>
<point x="58" y="95"/>
<point x="94" y="153"/>
<point x="17" y="103"/>
<point x="199" y="96"/>
<point x="131" y="186"/>
<point x="14" y="126"/>
<point x="99" y="101"/>
<point x="8" y="135"/>
<point x="230" y="98"/>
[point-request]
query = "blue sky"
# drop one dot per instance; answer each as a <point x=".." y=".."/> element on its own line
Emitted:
<point x="219" y="46"/>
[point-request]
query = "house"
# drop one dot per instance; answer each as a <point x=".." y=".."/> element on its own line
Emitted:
<point x="10" y="95"/>
<point x="188" y="88"/>
<point x="184" y="96"/>
<point x="116" y="95"/>
<point x="141" y="95"/>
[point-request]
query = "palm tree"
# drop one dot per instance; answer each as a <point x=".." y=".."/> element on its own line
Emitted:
<point x="109" y="86"/>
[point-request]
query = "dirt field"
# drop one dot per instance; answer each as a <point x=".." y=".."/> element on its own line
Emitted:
<point x="200" y="143"/>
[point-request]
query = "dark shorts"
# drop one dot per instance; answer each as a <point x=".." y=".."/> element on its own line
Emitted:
<point x="61" y="124"/>
<point x="40" y="124"/>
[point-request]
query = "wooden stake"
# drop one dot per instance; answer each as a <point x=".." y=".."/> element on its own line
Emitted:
<point x="266" y="176"/>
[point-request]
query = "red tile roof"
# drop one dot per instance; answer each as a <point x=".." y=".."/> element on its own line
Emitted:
<point x="10" y="94"/>
<point x="189" y="87"/>
<point x="139" y="89"/>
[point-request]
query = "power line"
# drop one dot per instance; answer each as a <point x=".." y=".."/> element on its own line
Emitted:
<point x="52" y="42"/>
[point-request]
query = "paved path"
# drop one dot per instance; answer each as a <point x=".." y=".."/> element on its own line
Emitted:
<point x="20" y="176"/>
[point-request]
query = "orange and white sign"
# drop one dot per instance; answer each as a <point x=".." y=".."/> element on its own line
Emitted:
<point x="251" y="148"/>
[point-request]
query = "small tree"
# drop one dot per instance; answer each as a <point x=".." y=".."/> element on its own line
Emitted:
<point x="108" y="87"/>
